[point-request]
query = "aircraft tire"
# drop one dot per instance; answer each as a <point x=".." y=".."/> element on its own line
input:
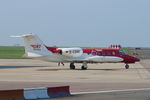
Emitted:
<point x="127" y="66"/>
<point x="83" y="68"/>
<point x="72" y="66"/>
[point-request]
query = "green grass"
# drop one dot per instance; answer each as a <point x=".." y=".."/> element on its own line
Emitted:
<point x="17" y="52"/>
<point x="12" y="52"/>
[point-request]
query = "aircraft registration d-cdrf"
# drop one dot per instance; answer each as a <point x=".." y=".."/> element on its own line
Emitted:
<point x="35" y="48"/>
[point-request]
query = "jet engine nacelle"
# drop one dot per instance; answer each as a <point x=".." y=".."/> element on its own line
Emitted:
<point x="71" y="52"/>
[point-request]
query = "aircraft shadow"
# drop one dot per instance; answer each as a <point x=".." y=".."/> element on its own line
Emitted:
<point x="9" y="67"/>
<point x="141" y="68"/>
<point x="79" y="69"/>
<point x="103" y="69"/>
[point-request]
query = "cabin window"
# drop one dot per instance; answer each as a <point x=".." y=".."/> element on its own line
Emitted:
<point x="70" y="52"/>
<point x="93" y="53"/>
<point x="113" y="53"/>
<point x="108" y="53"/>
<point x="103" y="53"/>
<point x="98" y="53"/>
<point x="89" y="53"/>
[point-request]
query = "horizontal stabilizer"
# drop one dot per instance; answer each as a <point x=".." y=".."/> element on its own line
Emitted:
<point x="19" y="36"/>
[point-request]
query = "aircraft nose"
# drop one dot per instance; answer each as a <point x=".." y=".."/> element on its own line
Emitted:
<point x="136" y="59"/>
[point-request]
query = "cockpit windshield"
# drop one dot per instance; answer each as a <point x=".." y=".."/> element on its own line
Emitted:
<point x="122" y="52"/>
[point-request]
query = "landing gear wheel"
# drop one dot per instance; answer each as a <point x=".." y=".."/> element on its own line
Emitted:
<point x="127" y="66"/>
<point x="72" y="66"/>
<point x="83" y="68"/>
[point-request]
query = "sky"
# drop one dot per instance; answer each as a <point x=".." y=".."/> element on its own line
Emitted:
<point x="86" y="23"/>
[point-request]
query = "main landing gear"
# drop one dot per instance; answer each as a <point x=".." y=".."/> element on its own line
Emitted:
<point x="72" y="66"/>
<point x="61" y="63"/>
<point x="83" y="67"/>
<point x="127" y="66"/>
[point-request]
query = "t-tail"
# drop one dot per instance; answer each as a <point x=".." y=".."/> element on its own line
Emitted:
<point x="34" y="47"/>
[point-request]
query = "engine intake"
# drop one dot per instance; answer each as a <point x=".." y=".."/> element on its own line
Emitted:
<point x="71" y="52"/>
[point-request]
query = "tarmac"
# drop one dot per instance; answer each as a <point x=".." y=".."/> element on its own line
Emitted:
<point x="28" y="73"/>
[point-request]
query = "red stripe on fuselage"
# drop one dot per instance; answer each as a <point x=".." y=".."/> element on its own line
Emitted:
<point x="103" y="52"/>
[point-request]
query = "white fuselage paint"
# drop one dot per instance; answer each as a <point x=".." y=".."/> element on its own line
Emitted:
<point x="83" y="58"/>
<point x="35" y="48"/>
<point x="71" y="52"/>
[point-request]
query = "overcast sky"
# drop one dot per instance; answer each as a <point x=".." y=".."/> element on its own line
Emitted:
<point x="93" y="23"/>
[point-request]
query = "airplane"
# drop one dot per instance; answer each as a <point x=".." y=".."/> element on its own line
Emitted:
<point x="35" y="48"/>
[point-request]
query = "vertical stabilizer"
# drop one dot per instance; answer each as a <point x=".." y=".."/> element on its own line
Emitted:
<point x="34" y="47"/>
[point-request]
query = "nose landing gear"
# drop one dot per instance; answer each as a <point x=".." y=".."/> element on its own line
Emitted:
<point x="127" y="66"/>
<point x="83" y="67"/>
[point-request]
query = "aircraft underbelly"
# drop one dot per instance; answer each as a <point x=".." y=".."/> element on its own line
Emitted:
<point x="52" y="58"/>
<point x="98" y="59"/>
<point x="105" y="59"/>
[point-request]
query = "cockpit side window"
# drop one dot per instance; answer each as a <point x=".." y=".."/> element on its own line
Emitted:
<point x="122" y="52"/>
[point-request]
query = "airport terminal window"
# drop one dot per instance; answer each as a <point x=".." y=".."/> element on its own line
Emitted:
<point x="122" y="52"/>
